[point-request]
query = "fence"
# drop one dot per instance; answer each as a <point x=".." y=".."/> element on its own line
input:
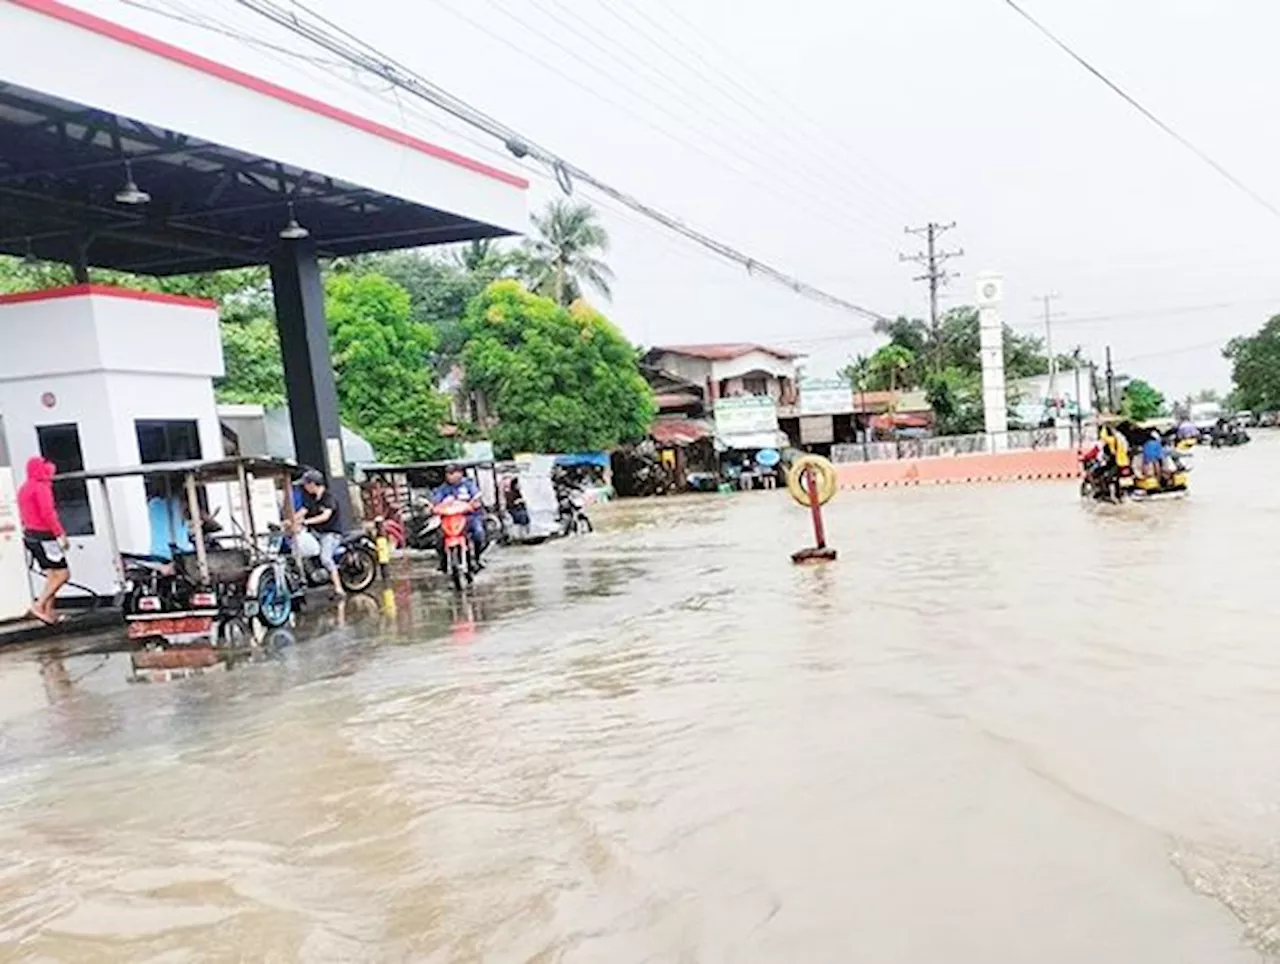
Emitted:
<point x="948" y="445"/>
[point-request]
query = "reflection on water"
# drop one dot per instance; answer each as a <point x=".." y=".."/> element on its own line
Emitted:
<point x="1004" y="727"/>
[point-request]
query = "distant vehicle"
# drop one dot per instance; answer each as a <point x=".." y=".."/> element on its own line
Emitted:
<point x="571" y="511"/>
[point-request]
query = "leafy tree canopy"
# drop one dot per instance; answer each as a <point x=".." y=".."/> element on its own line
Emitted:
<point x="956" y="399"/>
<point x="888" y="369"/>
<point x="1140" y="401"/>
<point x="956" y="344"/>
<point x="1255" y="368"/>
<point x="381" y="357"/>
<point x="560" y="379"/>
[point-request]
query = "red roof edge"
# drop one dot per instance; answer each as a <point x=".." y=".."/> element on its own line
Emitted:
<point x="724" y="351"/>
<point x="177" y="55"/>
<point x="106" y="291"/>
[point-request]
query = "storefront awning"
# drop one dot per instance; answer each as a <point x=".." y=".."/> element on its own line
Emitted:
<point x="680" y="431"/>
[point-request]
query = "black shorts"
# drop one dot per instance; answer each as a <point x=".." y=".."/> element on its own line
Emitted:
<point x="45" y="550"/>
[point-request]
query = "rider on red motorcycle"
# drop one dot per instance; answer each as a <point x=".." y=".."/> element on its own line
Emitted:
<point x="458" y="486"/>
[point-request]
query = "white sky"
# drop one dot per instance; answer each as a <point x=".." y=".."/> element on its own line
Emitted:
<point x="810" y="133"/>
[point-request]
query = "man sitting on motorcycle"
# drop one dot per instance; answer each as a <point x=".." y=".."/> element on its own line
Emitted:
<point x="319" y="513"/>
<point x="458" y="486"/>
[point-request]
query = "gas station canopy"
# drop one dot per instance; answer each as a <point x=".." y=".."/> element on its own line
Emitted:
<point x="119" y="150"/>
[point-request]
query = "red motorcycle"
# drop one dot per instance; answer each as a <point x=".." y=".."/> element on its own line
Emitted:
<point x="459" y="553"/>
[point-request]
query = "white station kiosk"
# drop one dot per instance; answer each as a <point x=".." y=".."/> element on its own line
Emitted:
<point x="91" y="378"/>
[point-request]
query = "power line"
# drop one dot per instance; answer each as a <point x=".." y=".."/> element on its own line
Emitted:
<point x="1133" y="102"/>
<point x="795" y="111"/>
<point x="748" y="103"/>
<point x="351" y="77"/>
<point x="817" y="205"/>
<point x="341" y="42"/>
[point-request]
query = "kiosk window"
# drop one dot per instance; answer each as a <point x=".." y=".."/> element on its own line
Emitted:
<point x="60" y="444"/>
<point x="166" y="441"/>
<point x="162" y="441"/>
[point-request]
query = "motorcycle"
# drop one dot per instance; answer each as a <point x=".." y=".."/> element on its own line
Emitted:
<point x="1102" y="480"/>
<point x="274" y="585"/>
<point x="422" y="527"/>
<point x="571" y="506"/>
<point x="459" y="554"/>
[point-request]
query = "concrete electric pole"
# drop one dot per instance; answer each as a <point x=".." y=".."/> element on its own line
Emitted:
<point x="934" y="262"/>
<point x="1047" y="300"/>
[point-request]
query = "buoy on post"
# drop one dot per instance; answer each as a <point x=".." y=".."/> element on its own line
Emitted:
<point x="812" y="482"/>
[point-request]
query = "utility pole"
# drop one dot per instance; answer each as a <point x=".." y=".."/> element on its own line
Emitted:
<point x="1049" y="315"/>
<point x="1075" y="357"/>
<point x="1111" y="384"/>
<point x="936" y="275"/>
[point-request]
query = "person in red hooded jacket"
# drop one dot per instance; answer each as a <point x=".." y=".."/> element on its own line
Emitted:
<point x="43" y="534"/>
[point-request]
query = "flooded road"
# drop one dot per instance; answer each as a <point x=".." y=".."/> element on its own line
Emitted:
<point x="1002" y="728"/>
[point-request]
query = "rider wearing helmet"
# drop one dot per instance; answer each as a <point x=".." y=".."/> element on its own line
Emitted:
<point x="458" y="486"/>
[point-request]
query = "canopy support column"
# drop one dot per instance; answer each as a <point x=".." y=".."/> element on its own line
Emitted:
<point x="308" y="366"/>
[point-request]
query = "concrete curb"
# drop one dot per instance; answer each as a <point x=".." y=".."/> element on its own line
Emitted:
<point x="1037" y="465"/>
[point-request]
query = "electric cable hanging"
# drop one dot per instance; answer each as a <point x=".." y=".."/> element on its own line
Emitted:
<point x="342" y="43"/>
<point x="1136" y="105"/>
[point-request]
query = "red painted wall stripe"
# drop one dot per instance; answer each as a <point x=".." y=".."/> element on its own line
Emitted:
<point x="161" y="48"/>
<point x="106" y="291"/>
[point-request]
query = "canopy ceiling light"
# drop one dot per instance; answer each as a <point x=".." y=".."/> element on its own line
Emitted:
<point x="131" y="193"/>
<point x="293" y="231"/>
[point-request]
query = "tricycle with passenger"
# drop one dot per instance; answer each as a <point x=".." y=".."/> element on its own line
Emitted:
<point x="200" y="576"/>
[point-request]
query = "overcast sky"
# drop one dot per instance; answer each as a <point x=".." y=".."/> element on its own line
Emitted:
<point x="810" y="133"/>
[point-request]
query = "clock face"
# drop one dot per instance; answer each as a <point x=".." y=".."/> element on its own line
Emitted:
<point x="989" y="290"/>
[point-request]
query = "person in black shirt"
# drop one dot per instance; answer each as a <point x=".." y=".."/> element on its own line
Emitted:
<point x="320" y="515"/>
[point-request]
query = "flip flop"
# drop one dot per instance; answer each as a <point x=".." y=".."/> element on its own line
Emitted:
<point x="42" y="618"/>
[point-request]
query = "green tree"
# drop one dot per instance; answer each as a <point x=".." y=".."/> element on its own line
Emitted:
<point x="559" y="379"/>
<point x="254" y="370"/>
<point x="381" y="357"/>
<point x="857" y="372"/>
<point x="565" y="257"/>
<point x="18" y="275"/>
<point x="1140" y="401"/>
<point x="439" y="288"/>
<point x="956" y="399"/>
<point x="888" y="368"/>
<point x="484" y="259"/>
<point x="956" y="344"/>
<point x="1255" y="368"/>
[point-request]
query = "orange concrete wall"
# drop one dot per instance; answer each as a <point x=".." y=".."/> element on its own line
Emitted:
<point x="1027" y="465"/>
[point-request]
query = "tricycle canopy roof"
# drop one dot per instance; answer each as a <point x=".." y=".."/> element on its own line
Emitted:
<point x="217" y="470"/>
<point x="383" y="468"/>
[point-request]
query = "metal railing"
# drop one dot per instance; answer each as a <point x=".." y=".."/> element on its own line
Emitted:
<point x="949" y="445"/>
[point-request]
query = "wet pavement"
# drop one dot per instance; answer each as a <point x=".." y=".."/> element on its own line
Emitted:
<point x="1002" y="728"/>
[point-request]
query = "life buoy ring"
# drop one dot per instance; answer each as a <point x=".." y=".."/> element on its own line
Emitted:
<point x="824" y="472"/>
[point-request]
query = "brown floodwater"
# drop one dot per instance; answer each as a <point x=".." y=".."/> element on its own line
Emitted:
<point x="1004" y="727"/>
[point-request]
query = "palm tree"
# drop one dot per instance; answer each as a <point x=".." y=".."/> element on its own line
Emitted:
<point x="565" y="257"/>
<point x="483" y="257"/>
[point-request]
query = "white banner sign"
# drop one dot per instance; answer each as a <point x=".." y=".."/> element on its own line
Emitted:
<point x="746" y="415"/>
<point x="825" y="396"/>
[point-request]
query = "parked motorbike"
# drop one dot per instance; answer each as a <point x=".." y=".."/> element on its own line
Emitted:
<point x="421" y="527"/>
